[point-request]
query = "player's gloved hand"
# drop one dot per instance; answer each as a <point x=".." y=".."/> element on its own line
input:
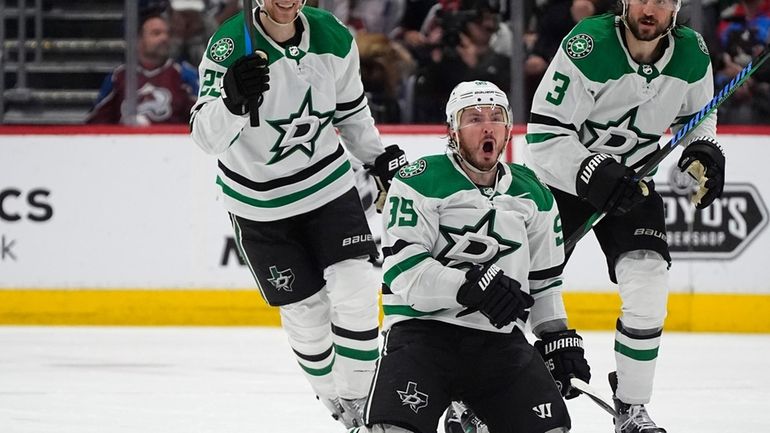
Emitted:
<point x="704" y="161"/>
<point x="246" y="79"/>
<point x="385" y="167"/>
<point x="497" y="296"/>
<point x="608" y="185"/>
<point x="564" y="356"/>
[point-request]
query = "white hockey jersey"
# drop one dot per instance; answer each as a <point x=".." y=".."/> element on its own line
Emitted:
<point x="594" y="98"/>
<point x="437" y="223"/>
<point x="293" y="161"/>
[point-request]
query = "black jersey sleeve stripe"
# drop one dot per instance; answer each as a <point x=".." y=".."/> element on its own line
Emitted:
<point x="544" y="274"/>
<point x="550" y="121"/>
<point x="624" y="331"/>
<point x="347" y="106"/>
<point x="282" y="181"/>
<point x="370" y="334"/>
<point x="315" y="358"/>
<point x="398" y="246"/>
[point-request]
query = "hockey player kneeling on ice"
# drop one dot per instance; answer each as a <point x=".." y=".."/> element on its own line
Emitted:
<point x="288" y="185"/>
<point x="617" y="83"/>
<point x="473" y="250"/>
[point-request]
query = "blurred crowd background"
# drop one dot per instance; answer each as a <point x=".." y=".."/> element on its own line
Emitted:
<point x="65" y="62"/>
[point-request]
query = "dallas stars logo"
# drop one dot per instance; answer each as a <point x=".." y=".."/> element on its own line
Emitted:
<point x="281" y="280"/>
<point x="475" y="244"/>
<point x="221" y="49"/>
<point x="580" y="46"/>
<point x="413" y="398"/>
<point x="619" y="137"/>
<point x="300" y="131"/>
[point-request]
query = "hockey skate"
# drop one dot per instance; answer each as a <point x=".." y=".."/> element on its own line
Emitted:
<point x="465" y="422"/>
<point x="632" y="418"/>
<point x="353" y="411"/>
<point x="338" y="412"/>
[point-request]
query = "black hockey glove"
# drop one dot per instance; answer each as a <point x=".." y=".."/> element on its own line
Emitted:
<point x="563" y="354"/>
<point x="608" y="185"/>
<point x="385" y="167"/>
<point x="704" y="161"/>
<point x="246" y="80"/>
<point x="497" y="296"/>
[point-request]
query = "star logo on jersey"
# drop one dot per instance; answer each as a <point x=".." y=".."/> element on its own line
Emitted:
<point x="416" y="168"/>
<point x="300" y="131"/>
<point x="617" y="137"/>
<point x="221" y="49"/>
<point x="281" y="280"/>
<point x="474" y="244"/>
<point x="413" y="398"/>
<point x="580" y="46"/>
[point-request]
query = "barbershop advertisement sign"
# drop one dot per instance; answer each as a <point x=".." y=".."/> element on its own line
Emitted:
<point x="721" y="231"/>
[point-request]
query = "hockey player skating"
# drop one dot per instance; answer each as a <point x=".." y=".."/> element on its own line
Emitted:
<point x="289" y="188"/>
<point x="473" y="249"/>
<point x="615" y="86"/>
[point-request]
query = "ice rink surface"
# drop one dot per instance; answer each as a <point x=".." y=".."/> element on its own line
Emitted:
<point x="245" y="380"/>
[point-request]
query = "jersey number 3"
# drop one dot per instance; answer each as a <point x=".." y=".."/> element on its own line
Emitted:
<point x="561" y="82"/>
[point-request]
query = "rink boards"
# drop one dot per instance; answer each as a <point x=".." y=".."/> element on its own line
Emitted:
<point x="118" y="226"/>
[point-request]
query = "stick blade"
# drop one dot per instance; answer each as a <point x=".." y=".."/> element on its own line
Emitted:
<point x="591" y="393"/>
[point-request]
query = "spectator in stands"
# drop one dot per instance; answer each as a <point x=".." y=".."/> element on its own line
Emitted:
<point x="555" y="18"/>
<point x="743" y="32"/>
<point x="459" y="50"/>
<point x="377" y="16"/>
<point x="166" y="89"/>
<point x="222" y="10"/>
<point x="190" y="29"/>
<point x="384" y="67"/>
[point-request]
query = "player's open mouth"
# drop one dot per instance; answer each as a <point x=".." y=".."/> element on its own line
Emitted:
<point x="647" y="22"/>
<point x="287" y="6"/>
<point x="488" y="145"/>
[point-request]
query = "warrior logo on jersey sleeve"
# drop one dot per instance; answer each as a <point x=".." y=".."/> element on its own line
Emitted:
<point x="474" y="244"/>
<point x="300" y="130"/>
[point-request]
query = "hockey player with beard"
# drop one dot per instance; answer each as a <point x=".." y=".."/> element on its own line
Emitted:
<point x="473" y="249"/>
<point x="288" y="185"/>
<point x="615" y="86"/>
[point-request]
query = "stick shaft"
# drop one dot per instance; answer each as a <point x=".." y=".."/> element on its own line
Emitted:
<point x="248" y="18"/>
<point x="692" y="123"/>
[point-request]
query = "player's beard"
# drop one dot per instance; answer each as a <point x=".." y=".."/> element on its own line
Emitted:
<point x="478" y="162"/>
<point x="633" y="26"/>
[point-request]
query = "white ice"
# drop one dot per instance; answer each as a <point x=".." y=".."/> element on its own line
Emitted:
<point x="245" y="380"/>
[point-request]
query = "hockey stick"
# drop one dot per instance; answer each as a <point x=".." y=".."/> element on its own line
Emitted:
<point x="693" y="122"/>
<point x="471" y="423"/>
<point x="248" y="20"/>
<point x="591" y="393"/>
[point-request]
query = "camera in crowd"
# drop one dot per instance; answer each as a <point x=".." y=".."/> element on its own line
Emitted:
<point x="454" y="16"/>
